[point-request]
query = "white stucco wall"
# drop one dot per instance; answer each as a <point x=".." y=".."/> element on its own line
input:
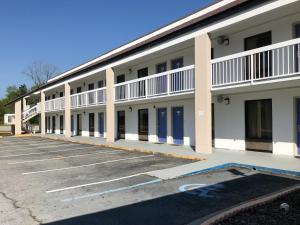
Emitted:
<point x="230" y="120"/>
<point x="131" y="120"/>
<point x="187" y="55"/>
<point x="282" y="30"/>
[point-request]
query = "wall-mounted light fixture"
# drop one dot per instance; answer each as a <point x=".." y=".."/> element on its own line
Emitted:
<point x="83" y="84"/>
<point x="154" y="106"/>
<point x="130" y="71"/>
<point x="227" y="100"/>
<point x="130" y="108"/>
<point x="84" y="112"/>
<point x="223" y="40"/>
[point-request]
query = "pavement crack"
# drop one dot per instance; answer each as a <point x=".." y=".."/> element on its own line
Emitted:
<point x="16" y="206"/>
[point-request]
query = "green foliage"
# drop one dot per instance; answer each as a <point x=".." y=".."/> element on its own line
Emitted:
<point x="12" y="92"/>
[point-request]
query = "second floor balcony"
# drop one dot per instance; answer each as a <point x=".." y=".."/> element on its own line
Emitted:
<point x="89" y="98"/>
<point x="56" y="104"/>
<point x="276" y="62"/>
<point x="178" y="81"/>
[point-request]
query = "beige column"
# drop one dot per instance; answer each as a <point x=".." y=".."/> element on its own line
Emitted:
<point x="18" y="117"/>
<point x="43" y="114"/>
<point x="24" y="104"/>
<point x="110" y="105"/>
<point x="67" y="117"/>
<point x="203" y="125"/>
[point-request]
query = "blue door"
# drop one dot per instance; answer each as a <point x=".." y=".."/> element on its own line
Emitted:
<point x="177" y="124"/>
<point x="101" y="124"/>
<point x="162" y="124"/>
<point x="298" y="126"/>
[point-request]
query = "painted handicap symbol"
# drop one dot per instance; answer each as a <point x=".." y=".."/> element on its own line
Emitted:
<point x="202" y="190"/>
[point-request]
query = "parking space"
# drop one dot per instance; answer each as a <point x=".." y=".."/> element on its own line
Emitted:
<point x="56" y="182"/>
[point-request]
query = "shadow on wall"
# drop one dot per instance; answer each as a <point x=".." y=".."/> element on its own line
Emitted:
<point x="187" y="206"/>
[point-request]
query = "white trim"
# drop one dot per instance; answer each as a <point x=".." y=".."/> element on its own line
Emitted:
<point x="214" y="27"/>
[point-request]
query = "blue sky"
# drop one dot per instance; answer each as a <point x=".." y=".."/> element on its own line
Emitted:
<point x="67" y="33"/>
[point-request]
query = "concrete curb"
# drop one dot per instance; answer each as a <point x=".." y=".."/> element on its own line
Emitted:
<point x="224" y="214"/>
<point x="23" y="135"/>
<point x="131" y="149"/>
<point x="247" y="166"/>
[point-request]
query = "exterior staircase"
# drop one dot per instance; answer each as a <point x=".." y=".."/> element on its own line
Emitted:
<point x="31" y="112"/>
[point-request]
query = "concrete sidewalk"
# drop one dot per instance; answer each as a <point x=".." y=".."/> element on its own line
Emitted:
<point x="219" y="158"/>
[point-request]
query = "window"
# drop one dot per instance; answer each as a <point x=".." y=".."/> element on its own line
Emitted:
<point x="259" y="119"/>
<point x="141" y="84"/>
<point x="100" y="83"/>
<point x="72" y="91"/>
<point x="122" y="89"/>
<point x="142" y="72"/>
<point x="176" y="63"/>
<point x="91" y="86"/>
<point x="61" y="94"/>
<point x="297" y="30"/>
<point x="258" y="41"/>
<point x="121" y="78"/>
<point x="78" y="90"/>
<point x="262" y="62"/>
<point x="53" y="96"/>
<point x="162" y="67"/>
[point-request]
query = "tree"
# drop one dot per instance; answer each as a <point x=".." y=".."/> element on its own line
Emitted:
<point x="12" y="92"/>
<point x="40" y="72"/>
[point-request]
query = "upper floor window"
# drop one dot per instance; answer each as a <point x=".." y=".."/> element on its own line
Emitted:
<point x="78" y="90"/>
<point x="61" y="94"/>
<point x="297" y="30"/>
<point x="258" y="41"/>
<point x="142" y="72"/>
<point x="91" y="86"/>
<point x="100" y="83"/>
<point x="176" y="63"/>
<point x="121" y="78"/>
<point x="161" y="67"/>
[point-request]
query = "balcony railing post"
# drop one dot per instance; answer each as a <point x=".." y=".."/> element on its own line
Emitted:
<point x="168" y="83"/>
<point x="146" y="88"/>
<point x="252" y="68"/>
<point x="86" y="99"/>
<point x="128" y="91"/>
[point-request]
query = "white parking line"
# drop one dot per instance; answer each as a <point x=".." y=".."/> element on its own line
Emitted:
<point x="112" y="190"/>
<point x="40" y="153"/>
<point x="87" y="165"/>
<point x="36" y="148"/>
<point x="65" y="157"/>
<point x="28" y="144"/>
<point x="100" y="182"/>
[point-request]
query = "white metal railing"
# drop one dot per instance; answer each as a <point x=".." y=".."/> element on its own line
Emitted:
<point x="275" y="61"/>
<point x="9" y="119"/>
<point x="167" y="83"/>
<point x="55" y="104"/>
<point x="31" y="111"/>
<point x="89" y="98"/>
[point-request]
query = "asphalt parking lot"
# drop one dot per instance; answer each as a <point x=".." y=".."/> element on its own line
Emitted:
<point x="58" y="183"/>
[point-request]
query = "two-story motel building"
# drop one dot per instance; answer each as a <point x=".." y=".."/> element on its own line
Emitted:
<point x="226" y="76"/>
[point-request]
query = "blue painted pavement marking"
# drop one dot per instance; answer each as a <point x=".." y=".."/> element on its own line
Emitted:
<point x="202" y="190"/>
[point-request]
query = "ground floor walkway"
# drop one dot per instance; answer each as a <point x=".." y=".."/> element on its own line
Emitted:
<point x="203" y="162"/>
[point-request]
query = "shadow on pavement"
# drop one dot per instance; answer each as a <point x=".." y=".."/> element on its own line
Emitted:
<point x="185" y="207"/>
